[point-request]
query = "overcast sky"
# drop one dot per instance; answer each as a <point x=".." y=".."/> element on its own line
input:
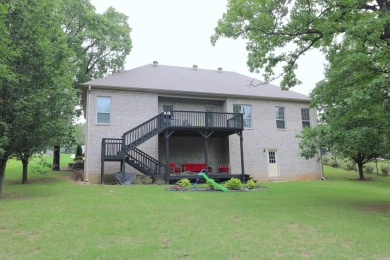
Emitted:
<point x="177" y="33"/>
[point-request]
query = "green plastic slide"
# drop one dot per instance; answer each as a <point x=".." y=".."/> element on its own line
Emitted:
<point x="220" y="187"/>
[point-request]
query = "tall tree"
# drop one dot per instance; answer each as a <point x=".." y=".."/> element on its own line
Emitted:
<point x="42" y="98"/>
<point x="47" y="48"/>
<point x="279" y="32"/>
<point x="354" y="108"/>
<point x="100" y="42"/>
<point x="6" y="74"/>
<point x="354" y="35"/>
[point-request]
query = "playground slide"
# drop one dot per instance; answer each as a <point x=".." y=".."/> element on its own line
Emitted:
<point x="220" y="187"/>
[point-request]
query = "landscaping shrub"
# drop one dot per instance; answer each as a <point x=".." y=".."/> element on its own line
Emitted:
<point x="369" y="169"/>
<point x="159" y="181"/>
<point x="325" y="160"/>
<point x="385" y="170"/>
<point x="141" y="179"/>
<point x="185" y="183"/>
<point x="109" y="179"/>
<point x="350" y="165"/>
<point x="233" y="184"/>
<point x="250" y="184"/>
<point x="78" y="175"/>
<point x="335" y="164"/>
<point x="79" y="152"/>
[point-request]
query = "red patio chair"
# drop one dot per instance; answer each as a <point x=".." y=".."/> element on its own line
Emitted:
<point x="174" y="168"/>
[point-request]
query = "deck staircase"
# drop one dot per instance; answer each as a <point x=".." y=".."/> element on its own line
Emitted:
<point x="125" y="149"/>
<point x="145" y="163"/>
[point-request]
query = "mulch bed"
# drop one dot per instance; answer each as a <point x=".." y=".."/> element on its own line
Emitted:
<point x="180" y="188"/>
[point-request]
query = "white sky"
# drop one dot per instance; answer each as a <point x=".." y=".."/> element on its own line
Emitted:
<point x="177" y="32"/>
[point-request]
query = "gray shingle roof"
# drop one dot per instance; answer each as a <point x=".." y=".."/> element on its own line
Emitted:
<point x="181" y="80"/>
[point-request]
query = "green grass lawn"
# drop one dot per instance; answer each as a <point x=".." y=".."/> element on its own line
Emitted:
<point x="56" y="218"/>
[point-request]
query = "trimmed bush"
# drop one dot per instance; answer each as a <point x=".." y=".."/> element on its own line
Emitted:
<point x="385" y="170"/>
<point x="185" y="183"/>
<point x="233" y="184"/>
<point x="79" y="152"/>
<point x="250" y="184"/>
<point x="369" y="169"/>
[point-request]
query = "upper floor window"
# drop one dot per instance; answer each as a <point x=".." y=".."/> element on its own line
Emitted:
<point x="246" y="110"/>
<point x="305" y="117"/>
<point x="280" y="118"/>
<point x="103" y="110"/>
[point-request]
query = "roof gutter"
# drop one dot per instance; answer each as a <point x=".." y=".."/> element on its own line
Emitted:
<point x="196" y="94"/>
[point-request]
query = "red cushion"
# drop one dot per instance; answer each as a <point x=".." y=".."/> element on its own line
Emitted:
<point x="194" y="167"/>
<point x="223" y="169"/>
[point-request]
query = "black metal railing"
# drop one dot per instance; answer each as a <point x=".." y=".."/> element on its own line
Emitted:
<point x="148" y="163"/>
<point x="144" y="131"/>
<point x="197" y="119"/>
<point x="111" y="149"/>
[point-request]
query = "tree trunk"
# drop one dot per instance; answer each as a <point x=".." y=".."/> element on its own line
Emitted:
<point x="361" y="173"/>
<point x="56" y="158"/>
<point x="24" y="175"/>
<point x="3" y="163"/>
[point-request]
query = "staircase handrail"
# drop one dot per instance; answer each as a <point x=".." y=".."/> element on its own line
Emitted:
<point x="148" y="157"/>
<point x="154" y="166"/>
<point x="154" y="124"/>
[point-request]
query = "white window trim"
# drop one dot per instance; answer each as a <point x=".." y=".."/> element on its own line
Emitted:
<point x="309" y="121"/>
<point x="97" y="110"/>
<point x="251" y="119"/>
<point x="284" y="119"/>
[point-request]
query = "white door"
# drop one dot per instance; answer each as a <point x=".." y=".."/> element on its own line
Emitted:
<point x="273" y="169"/>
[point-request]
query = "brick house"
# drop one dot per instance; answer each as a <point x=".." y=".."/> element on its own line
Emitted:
<point x="155" y="117"/>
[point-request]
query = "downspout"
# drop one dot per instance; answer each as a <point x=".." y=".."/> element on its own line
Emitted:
<point x="88" y="131"/>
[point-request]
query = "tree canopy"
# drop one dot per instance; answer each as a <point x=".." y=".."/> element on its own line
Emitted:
<point x="279" y="32"/>
<point x="47" y="48"/>
<point x="354" y="98"/>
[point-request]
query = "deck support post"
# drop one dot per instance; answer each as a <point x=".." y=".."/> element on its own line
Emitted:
<point x="242" y="157"/>
<point x="124" y="154"/>
<point x="102" y="157"/>
<point x="167" y="134"/>
<point x="206" y="135"/>
<point x="102" y="172"/>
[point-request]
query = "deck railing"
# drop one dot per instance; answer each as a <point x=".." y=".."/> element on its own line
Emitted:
<point x="181" y="119"/>
<point x="197" y="119"/>
<point x="144" y="131"/>
<point x="111" y="149"/>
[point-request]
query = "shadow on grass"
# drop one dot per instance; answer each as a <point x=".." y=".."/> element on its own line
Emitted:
<point x="19" y="191"/>
<point x="379" y="207"/>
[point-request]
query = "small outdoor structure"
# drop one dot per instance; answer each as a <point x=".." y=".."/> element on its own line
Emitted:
<point x="183" y="123"/>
